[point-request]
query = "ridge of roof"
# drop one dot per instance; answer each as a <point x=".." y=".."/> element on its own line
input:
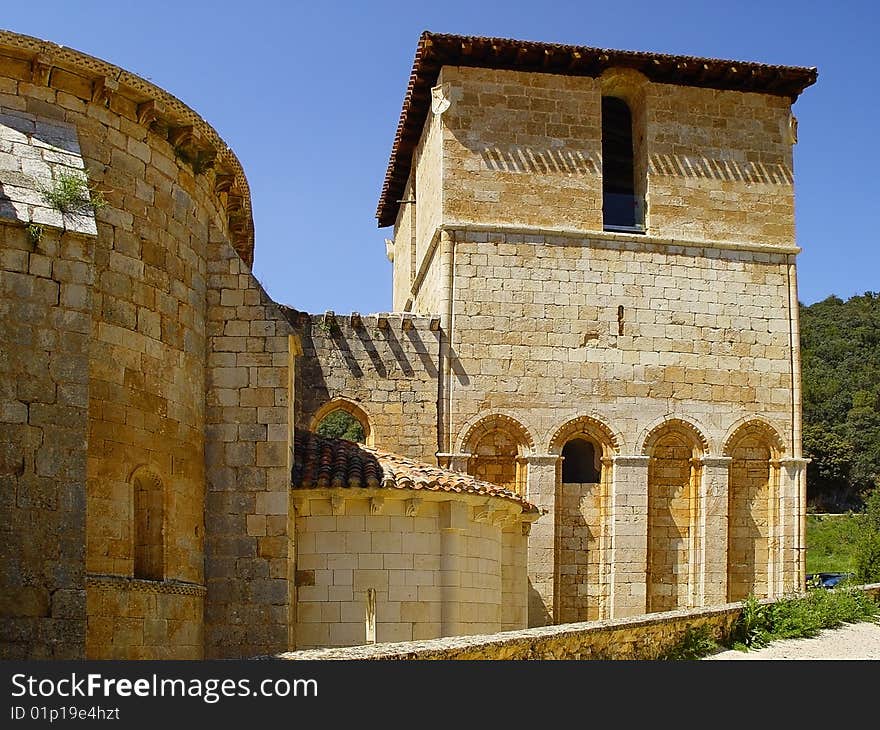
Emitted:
<point x="434" y="50"/>
<point x="326" y="462"/>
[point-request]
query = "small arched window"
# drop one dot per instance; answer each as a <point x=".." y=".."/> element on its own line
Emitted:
<point x="342" y="424"/>
<point x="149" y="527"/>
<point x="622" y="207"/>
<point x="579" y="463"/>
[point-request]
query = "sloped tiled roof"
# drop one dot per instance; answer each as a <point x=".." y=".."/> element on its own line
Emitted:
<point x="436" y="50"/>
<point x="320" y="461"/>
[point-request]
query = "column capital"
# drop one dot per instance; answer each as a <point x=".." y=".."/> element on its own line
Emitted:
<point x="631" y="460"/>
<point x="542" y="458"/>
<point x="716" y="461"/>
<point x="792" y="463"/>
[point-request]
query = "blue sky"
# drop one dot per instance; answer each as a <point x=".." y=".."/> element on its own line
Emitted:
<point x="308" y="96"/>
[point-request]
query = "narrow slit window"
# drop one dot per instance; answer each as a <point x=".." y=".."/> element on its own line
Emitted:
<point x="622" y="207"/>
<point x="149" y="528"/>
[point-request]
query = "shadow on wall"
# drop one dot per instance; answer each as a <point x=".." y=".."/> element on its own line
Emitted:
<point x="538" y="613"/>
<point x="351" y="356"/>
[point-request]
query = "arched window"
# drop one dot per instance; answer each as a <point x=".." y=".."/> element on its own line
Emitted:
<point x="342" y="418"/>
<point x="149" y="527"/>
<point x="579" y="462"/>
<point x="622" y="207"/>
<point x="341" y="424"/>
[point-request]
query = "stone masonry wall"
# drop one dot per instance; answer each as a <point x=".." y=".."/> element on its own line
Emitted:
<point x="45" y="322"/>
<point x="387" y="364"/>
<point x="524" y="149"/>
<point x="432" y="577"/>
<point x="540" y="335"/>
<point x="719" y="165"/>
<point x="249" y="543"/>
<point x="166" y="179"/>
<point x="139" y="619"/>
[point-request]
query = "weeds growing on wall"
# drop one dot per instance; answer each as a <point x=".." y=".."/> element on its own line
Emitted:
<point x="695" y="644"/>
<point x="70" y="193"/>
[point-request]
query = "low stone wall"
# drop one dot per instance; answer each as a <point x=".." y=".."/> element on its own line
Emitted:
<point x="641" y="637"/>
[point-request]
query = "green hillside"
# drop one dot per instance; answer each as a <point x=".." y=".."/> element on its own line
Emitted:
<point x="840" y="355"/>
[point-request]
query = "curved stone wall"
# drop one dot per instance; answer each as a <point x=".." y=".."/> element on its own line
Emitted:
<point x="128" y="323"/>
<point x="439" y="566"/>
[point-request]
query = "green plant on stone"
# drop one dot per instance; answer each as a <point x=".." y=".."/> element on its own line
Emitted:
<point x="35" y="232"/>
<point x="70" y="193"/>
<point x="695" y="644"/>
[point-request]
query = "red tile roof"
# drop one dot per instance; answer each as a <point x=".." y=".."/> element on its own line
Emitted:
<point x="436" y="50"/>
<point x="320" y="461"/>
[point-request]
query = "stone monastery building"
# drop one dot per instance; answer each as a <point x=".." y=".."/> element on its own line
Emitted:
<point x="585" y="404"/>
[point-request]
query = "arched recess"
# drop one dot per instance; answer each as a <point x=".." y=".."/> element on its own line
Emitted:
<point x="347" y="406"/>
<point x="674" y="471"/>
<point x="755" y="448"/>
<point x="582" y="517"/>
<point x="498" y="446"/>
<point x="148" y="525"/>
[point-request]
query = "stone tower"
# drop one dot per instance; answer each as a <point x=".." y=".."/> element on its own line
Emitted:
<point x="608" y="239"/>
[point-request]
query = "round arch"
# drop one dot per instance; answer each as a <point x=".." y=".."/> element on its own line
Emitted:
<point x="757" y="427"/>
<point x="497" y="422"/>
<point x="589" y="426"/>
<point x="353" y="409"/>
<point x="691" y="432"/>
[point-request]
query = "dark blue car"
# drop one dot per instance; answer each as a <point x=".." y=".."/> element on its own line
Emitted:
<point x="826" y="580"/>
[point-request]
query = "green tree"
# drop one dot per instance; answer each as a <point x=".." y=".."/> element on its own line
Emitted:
<point x="840" y="355"/>
<point x="341" y="424"/>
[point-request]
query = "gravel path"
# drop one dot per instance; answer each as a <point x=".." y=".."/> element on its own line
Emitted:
<point x="852" y="641"/>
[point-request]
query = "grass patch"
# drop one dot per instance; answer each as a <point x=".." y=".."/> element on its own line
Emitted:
<point x="831" y="542"/>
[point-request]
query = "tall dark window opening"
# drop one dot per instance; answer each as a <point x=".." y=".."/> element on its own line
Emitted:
<point x="579" y="462"/>
<point x="621" y="206"/>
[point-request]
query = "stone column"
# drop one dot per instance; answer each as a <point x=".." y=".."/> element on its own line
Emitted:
<point x="788" y="561"/>
<point x="605" y="527"/>
<point x="628" y="516"/>
<point x="453" y="522"/>
<point x="541" y="491"/>
<point x="712" y="530"/>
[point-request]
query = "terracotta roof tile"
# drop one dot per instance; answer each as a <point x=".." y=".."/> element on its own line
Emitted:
<point x="320" y="461"/>
<point x="436" y="50"/>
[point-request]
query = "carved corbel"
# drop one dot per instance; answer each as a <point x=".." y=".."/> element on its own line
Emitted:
<point x="337" y="504"/>
<point x="181" y="136"/>
<point x="377" y="505"/>
<point x="301" y="505"/>
<point x="499" y="517"/>
<point x="223" y="182"/>
<point x="41" y="67"/>
<point x="103" y="89"/>
<point x="482" y="513"/>
<point x="412" y="506"/>
<point x="149" y="112"/>
<point x="234" y="202"/>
